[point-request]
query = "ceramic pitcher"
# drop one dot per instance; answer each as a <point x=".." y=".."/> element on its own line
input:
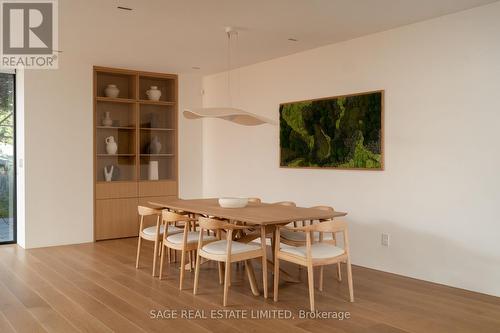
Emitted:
<point x="111" y="145"/>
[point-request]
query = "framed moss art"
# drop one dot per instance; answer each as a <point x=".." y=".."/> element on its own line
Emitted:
<point x="342" y="132"/>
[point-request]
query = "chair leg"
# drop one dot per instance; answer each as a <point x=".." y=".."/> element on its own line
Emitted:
<point x="196" y="274"/>
<point x="310" y="278"/>
<point x="168" y="255"/>
<point x="349" y="280"/>
<point x="276" y="277"/>
<point x="339" y="273"/>
<point x="162" y="259"/>
<point x="226" y="282"/>
<point x="154" y="257"/>
<point x="321" y="278"/>
<point x="183" y="263"/>
<point x="221" y="275"/>
<point x="190" y="258"/>
<point x="139" y="242"/>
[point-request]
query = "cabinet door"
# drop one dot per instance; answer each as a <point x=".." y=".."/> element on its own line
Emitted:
<point x="116" y="218"/>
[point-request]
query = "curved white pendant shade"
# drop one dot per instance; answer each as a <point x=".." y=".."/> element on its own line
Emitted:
<point x="230" y="114"/>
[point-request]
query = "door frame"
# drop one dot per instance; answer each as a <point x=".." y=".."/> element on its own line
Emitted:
<point x="14" y="164"/>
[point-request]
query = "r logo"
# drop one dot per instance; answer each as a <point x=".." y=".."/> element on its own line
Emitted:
<point x="27" y="28"/>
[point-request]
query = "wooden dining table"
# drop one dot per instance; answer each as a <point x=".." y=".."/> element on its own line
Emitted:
<point x="263" y="216"/>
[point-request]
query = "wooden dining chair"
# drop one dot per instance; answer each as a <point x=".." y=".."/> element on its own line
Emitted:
<point x="153" y="233"/>
<point x="228" y="251"/>
<point x="254" y="200"/>
<point x="314" y="254"/>
<point x="184" y="241"/>
<point x="297" y="238"/>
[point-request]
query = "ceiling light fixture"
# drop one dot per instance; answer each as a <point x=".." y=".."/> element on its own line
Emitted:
<point x="124" y="8"/>
<point x="229" y="112"/>
<point x="293" y="39"/>
<point x="195" y="67"/>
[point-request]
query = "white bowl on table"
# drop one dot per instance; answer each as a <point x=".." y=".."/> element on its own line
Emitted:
<point x="233" y="202"/>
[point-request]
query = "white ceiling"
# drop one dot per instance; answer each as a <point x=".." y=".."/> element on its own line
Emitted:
<point x="175" y="35"/>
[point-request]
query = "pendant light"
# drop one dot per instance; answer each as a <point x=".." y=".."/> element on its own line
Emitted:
<point x="229" y="112"/>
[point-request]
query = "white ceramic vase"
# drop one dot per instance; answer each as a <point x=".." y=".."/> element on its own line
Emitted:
<point x="153" y="93"/>
<point x="107" y="121"/>
<point x="111" y="91"/>
<point x="153" y="170"/>
<point x="155" y="145"/>
<point x="111" y="145"/>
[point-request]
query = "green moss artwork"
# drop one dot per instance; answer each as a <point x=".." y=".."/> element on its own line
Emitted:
<point x="343" y="132"/>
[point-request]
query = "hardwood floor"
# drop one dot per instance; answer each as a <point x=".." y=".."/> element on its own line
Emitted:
<point x="96" y="288"/>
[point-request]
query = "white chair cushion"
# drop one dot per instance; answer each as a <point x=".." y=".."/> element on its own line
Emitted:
<point x="151" y="231"/>
<point x="300" y="236"/>
<point x="257" y="241"/>
<point x="219" y="247"/>
<point x="318" y="251"/>
<point x="192" y="237"/>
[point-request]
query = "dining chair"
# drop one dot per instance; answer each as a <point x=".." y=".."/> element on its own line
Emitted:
<point x="228" y="251"/>
<point x="297" y="238"/>
<point x="185" y="241"/>
<point x="153" y="233"/>
<point x="254" y="200"/>
<point x="314" y="254"/>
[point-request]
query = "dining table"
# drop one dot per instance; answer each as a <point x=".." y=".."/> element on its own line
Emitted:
<point x="262" y="218"/>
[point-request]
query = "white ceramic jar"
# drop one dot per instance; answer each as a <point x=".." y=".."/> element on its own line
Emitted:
<point x="153" y="93"/>
<point x="111" y="91"/>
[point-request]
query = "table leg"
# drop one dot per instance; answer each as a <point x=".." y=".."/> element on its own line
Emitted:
<point x="264" y="259"/>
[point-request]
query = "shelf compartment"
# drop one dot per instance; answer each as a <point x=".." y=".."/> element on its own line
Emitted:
<point x="124" y="168"/>
<point x="125" y="138"/>
<point x="166" y="167"/>
<point x="166" y="139"/>
<point x="126" y="83"/>
<point x="167" y="86"/>
<point x="156" y="116"/>
<point x="122" y="114"/>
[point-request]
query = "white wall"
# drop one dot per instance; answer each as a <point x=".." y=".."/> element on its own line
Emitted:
<point x="439" y="195"/>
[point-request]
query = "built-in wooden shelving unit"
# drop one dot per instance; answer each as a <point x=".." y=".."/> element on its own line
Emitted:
<point x="136" y="121"/>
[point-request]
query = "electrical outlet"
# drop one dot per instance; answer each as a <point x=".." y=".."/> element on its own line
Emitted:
<point x="385" y="240"/>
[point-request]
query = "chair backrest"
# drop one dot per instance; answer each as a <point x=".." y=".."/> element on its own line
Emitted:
<point x="171" y="217"/>
<point x="327" y="226"/>
<point x="286" y="203"/>
<point x="147" y="211"/>
<point x="254" y="200"/>
<point x="212" y="224"/>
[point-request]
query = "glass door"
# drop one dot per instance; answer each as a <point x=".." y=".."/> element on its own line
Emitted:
<point x="7" y="159"/>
